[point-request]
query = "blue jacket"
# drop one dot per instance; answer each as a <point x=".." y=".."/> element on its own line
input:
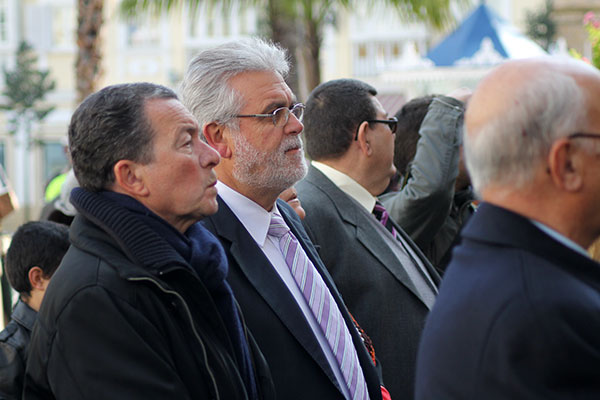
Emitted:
<point x="517" y="317"/>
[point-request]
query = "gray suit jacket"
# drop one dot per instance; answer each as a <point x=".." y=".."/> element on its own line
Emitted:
<point x="374" y="285"/>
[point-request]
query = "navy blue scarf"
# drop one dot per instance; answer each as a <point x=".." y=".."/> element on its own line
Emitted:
<point x="197" y="248"/>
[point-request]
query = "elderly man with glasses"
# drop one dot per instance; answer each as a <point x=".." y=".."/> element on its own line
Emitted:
<point x="518" y="314"/>
<point x="388" y="285"/>
<point x="250" y="116"/>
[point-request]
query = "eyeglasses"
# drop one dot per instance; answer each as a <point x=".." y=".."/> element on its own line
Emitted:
<point x="392" y="123"/>
<point x="584" y="135"/>
<point x="281" y="115"/>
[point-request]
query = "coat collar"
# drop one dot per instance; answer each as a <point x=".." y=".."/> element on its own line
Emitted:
<point x="506" y="228"/>
<point x="142" y="245"/>
<point x="24" y="315"/>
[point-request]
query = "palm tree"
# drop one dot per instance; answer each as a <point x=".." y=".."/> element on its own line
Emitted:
<point x="298" y="24"/>
<point x="87" y="66"/>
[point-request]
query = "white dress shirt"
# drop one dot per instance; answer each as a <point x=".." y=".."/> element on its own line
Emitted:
<point x="348" y="185"/>
<point x="256" y="220"/>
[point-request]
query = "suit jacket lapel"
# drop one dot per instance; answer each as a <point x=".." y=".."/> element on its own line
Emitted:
<point x="435" y="276"/>
<point x="257" y="268"/>
<point x="350" y="212"/>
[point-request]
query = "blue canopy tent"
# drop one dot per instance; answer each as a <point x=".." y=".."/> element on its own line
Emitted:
<point x="483" y="37"/>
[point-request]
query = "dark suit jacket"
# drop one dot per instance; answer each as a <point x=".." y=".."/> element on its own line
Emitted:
<point x="517" y="317"/>
<point x="375" y="286"/>
<point x="299" y="367"/>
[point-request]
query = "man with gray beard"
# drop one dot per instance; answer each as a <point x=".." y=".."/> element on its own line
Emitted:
<point x="249" y="115"/>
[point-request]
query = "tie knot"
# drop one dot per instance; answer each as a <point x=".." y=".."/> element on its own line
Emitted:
<point x="277" y="227"/>
<point x="380" y="211"/>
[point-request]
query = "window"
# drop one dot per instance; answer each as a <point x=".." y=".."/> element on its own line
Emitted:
<point x="3" y="21"/>
<point x="2" y="156"/>
<point x="63" y="26"/>
<point x="144" y="33"/>
<point x="55" y="160"/>
<point x="362" y="51"/>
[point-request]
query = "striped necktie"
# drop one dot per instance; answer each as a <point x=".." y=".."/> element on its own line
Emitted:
<point x="323" y="307"/>
<point x="382" y="216"/>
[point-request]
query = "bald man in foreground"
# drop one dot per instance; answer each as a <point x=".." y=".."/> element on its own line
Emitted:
<point x="518" y="314"/>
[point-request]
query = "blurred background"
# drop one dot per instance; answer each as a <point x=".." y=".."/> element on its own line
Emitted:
<point x="53" y="53"/>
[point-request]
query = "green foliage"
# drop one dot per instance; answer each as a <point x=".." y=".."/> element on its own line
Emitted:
<point x="541" y="28"/>
<point x="298" y="24"/>
<point x="592" y="25"/>
<point x="25" y="88"/>
<point x="434" y="12"/>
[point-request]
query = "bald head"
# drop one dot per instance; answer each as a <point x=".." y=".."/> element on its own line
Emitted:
<point x="532" y="143"/>
<point x="518" y="111"/>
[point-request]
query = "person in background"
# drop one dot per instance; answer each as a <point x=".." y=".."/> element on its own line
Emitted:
<point x="434" y="200"/>
<point x="290" y="196"/>
<point x="35" y="251"/>
<point x="60" y="209"/>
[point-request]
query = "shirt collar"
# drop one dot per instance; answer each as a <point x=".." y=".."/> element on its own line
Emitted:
<point x="347" y="185"/>
<point x="560" y="238"/>
<point x="255" y="219"/>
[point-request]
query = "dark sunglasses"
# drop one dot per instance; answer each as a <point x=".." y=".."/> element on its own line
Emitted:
<point x="392" y="123"/>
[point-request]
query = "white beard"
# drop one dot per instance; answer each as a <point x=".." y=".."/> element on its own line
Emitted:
<point x="275" y="170"/>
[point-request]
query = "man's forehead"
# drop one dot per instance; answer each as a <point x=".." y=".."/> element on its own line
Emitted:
<point x="158" y="110"/>
<point x="262" y="88"/>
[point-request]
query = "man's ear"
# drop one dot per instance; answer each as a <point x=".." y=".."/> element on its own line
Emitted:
<point x="215" y="137"/>
<point x="564" y="166"/>
<point x="37" y="279"/>
<point x="363" y="140"/>
<point x="129" y="178"/>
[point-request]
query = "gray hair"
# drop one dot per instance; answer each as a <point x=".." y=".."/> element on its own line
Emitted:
<point x="205" y="88"/>
<point x="508" y="148"/>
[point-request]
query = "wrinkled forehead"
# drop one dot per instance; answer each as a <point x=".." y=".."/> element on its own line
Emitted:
<point x="261" y="87"/>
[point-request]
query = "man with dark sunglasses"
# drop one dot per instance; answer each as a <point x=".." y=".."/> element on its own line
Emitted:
<point x="388" y="285"/>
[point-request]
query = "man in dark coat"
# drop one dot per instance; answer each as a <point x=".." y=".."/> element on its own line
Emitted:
<point x="250" y="116"/>
<point x="139" y="307"/>
<point x="518" y="313"/>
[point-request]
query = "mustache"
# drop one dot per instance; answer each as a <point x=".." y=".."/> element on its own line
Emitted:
<point x="292" y="142"/>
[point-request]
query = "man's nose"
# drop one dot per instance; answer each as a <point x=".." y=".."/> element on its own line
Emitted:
<point x="293" y="126"/>
<point x="208" y="156"/>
